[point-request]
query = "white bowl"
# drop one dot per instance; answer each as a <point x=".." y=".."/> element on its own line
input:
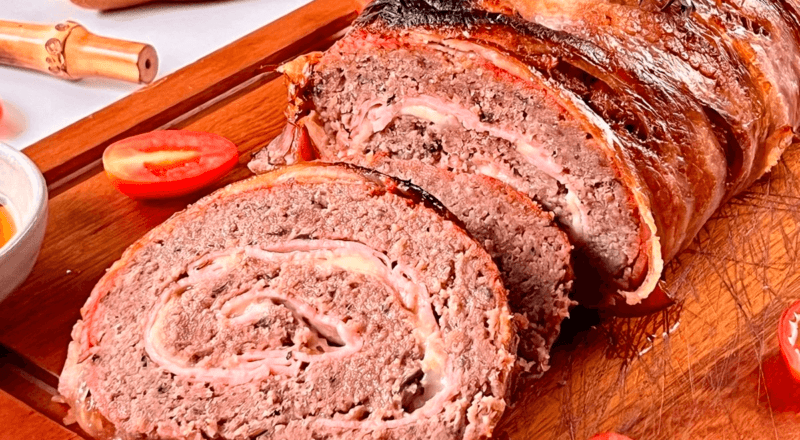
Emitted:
<point x="23" y="192"/>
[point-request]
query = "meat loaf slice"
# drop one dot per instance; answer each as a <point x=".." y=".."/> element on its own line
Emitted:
<point x="532" y="253"/>
<point x="317" y="301"/>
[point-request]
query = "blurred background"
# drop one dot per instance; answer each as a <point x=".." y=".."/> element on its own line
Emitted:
<point x="36" y="104"/>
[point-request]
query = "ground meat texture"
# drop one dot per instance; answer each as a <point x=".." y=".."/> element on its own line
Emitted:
<point x="569" y="174"/>
<point x="375" y="97"/>
<point x="533" y="255"/>
<point x="316" y="301"/>
<point x="683" y="104"/>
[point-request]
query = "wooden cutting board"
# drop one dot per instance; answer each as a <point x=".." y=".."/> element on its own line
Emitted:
<point x="707" y="368"/>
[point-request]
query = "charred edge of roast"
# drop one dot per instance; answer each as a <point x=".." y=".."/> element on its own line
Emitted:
<point x="682" y="6"/>
<point x="404" y="188"/>
<point x="790" y="15"/>
<point x="406" y="14"/>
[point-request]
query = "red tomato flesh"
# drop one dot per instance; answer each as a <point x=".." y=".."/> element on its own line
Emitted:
<point x="171" y="163"/>
<point x="788" y="331"/>
<point x="657" y="300"/>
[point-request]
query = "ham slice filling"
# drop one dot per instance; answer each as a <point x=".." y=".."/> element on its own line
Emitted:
<point x="374" y="116"/>
<point x="327" y="336"/>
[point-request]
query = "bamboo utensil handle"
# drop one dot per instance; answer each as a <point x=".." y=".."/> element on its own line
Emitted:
<point x="68" y="50"/>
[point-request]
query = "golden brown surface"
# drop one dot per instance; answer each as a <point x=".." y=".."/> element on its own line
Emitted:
<point x="714" y="377"/>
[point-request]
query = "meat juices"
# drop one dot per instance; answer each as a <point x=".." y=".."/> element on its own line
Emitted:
<point x="630" y="121"/>
<point x="317" y="301"/>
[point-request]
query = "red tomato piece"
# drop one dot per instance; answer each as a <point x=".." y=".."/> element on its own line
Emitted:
<point x="169" y="163"/>
<point x="304" y="145"/>
<point x="610" y="436"/>
<point x="657" y="300"/>
<point x="788" y="330"/>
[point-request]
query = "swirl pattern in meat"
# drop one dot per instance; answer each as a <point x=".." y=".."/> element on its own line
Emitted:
<point x="315" y="301"/>
<point x="632" y="121"/>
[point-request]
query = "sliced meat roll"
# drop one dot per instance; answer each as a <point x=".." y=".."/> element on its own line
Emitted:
<point x="383" y="94"/>
<point x="532" y="253"/>
<point x="311" y="302"/>
<point x="630" y="120"/>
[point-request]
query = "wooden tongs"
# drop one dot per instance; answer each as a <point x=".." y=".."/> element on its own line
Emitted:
<point x="68" y="50"/>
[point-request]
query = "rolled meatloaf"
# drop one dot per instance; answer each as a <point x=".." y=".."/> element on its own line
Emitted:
<point x="317" y="301"/>
<point x="532" y="253"/>
<point x="631" y="121"/>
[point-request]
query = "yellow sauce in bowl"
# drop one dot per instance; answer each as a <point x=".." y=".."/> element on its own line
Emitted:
<point x="6" y="226"/>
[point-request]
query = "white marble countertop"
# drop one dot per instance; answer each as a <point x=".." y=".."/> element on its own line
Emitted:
<point x="36" y="105"/>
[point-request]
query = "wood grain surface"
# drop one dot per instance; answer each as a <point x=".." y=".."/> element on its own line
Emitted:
<point x="20" y="421"/>
<point x="708" y="368"/>
<point x="705" y="369"/>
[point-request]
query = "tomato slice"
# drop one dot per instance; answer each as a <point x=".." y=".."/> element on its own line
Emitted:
<point x="170" y="163"/>
<point x="788" y="330"/>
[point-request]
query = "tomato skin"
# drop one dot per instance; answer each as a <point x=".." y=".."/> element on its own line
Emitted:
<point x="787" y="328"/>
<point x="657" y="301"/>
<point x="609" y="436"/>
<point x="171" y="163"/>
<point x="303" y="145"/>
